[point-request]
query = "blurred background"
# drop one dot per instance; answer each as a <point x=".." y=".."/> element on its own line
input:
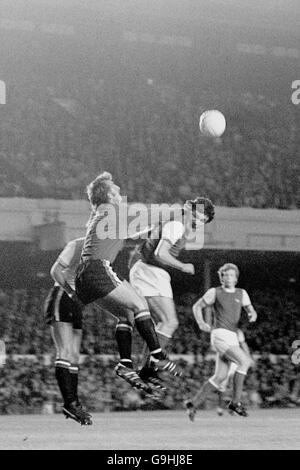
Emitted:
<point x="119" y="86"/>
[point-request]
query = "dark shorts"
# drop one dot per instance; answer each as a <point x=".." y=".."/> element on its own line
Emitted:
<point x="95" y="279"/>
<point x="59" y="307"/>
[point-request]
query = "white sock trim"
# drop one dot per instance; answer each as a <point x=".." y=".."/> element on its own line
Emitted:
<point x="163" y="334"/>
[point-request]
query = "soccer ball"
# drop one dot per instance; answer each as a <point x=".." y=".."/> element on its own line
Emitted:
<point x="212" y="123"/>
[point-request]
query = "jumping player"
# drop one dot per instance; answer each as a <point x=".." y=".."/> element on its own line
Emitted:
<point x="63" y="312"/>
<point x="151" y="263"/>
<point x="96" y="281"/>
<point x="227" y="301"/>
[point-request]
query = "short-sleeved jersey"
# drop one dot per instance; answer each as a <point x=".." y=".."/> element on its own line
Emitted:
<point x="172" y="231"/>
<point x="69" y="259"/>
<point x="227" y="306"/>
<point x="102" y="240"/>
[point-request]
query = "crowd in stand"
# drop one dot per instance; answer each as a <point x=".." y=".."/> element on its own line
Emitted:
<point x="27" y="384"/>
<point x="54" y="141"/>
<point x="23" y="328"/>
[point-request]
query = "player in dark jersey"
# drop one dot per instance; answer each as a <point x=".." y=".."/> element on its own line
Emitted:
<point x="227" y="301"/>
<point x="151" y="263"/>
<point x="63" y="312"/>
<point x="96" y="281"/>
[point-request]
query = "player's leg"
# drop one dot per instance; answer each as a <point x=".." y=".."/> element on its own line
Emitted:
<point x="163" y="313"/>
<point x="243" y="361"/>
<point x="163" y="310"/>
<point x="224" y="386"/>
<point x="59" y="317"/>
<point x="212" y="385"/>
<point x="75" y="355"/>
<point x="124" y="297"/>
<point x="62" y="334"/>
<point x="123" y="335"/>
<point x="81" y="413"/>
<point x="154" y="284"/>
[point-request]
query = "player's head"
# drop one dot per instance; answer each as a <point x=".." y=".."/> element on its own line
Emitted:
<point x="102" y="190"/>
<point x="201" y="208"/>
<point x="229" y="274"/>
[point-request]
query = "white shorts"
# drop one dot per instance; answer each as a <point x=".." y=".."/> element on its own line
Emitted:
<point x="150" y="281"/>
<point x="222" y="339"/>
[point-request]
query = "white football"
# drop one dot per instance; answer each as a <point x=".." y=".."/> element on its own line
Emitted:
<point x="212" y="123"/>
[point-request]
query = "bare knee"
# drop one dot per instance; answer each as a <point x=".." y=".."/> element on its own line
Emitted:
<point x="170" y="325"/>
<point x="217" y="380"/>
<point x="247" y="363"/>
<point x="139" y="305"/>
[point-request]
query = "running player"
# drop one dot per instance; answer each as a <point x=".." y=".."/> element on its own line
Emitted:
<point x="228" y="302"/>
<point x="150" y="266"/>
<point x="96" y="281"/>
<point x="63" y="312"/>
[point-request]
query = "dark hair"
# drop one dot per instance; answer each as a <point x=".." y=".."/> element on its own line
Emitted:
<point x="97" y="190"/>
<point x="209" y="208"/>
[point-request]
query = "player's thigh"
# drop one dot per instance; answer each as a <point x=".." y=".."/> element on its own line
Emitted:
<point x="62" y="334"/>
<point x="76" y="343"/>
<point x="221" y="369"/>
<point x="162" y="309"/>
<point x="237" y="355"/>
<point x="124" y="298"/>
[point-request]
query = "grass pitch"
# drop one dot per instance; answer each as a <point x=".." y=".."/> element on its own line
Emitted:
<point x="160" y="430"/>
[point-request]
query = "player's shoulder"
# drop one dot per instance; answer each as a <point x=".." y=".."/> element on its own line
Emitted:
<point x="72" y="243"/>
<point x="172" y="229"/>
<point x="173" y="224"/>
<point x="210" y="295"/>
<point x="211" y="290"/>
<point x="78" y="242"/>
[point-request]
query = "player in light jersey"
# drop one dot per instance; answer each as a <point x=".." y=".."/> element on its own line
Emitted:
<point x="150" y="266"/>
<point x="96" y="281"/>
<point x="63" y="312"/>
<point x="228" y="302"/>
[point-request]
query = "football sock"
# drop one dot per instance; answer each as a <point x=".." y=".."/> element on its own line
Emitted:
<point x="73" y="369"/>
<point x="145" y="327"/>
<point x="64" y="380"/>
<point x="124" y="340"/>
<point x="238" y="382"/>
<point x="220" y="399"/>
